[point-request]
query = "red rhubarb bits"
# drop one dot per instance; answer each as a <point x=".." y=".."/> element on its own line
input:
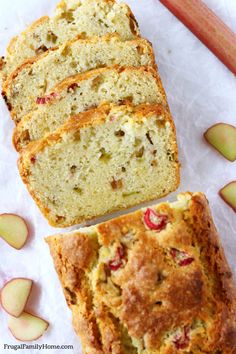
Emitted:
<point x="155" y="221"/>
<point x="112" y="118"/>
<point x="118" y="261"/>
<point x="181" y="340"/>
<point x="46" y="99"/>
<point x="182" y="258"/>
<point x="72" y="87"/>
<point x="33" y="159"/>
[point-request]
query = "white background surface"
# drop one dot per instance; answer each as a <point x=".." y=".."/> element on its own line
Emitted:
<point x="201" y="92"/>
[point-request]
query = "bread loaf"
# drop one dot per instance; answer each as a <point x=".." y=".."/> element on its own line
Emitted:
<point x="103" y="160"/>
<point x="152" y="282"/>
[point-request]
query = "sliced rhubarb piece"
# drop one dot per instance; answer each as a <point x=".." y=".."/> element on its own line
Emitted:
<point x="46" y="99"/>
<point x="15" y="294"/>
<point x="33" y="159"/>
<point x="222" y="137"/>
<point x="181" y="340"/>
<point x="73" y="87"/>
<point x="118" y="261"/>
<point x="155" y="221"/>
<point x="228" y="194"/>
<point x="14" y="230"/>
<point x="207" y="27"/>
<point x="27" y="327"/>
<point x="182" y="258"/>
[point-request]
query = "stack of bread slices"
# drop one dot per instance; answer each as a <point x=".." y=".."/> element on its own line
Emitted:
<point x="93" y="127"/>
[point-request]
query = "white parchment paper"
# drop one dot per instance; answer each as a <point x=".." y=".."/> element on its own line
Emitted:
<point x="201" y="92"/>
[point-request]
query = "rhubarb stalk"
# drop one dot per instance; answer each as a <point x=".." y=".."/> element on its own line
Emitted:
<point x="204" y="23"/>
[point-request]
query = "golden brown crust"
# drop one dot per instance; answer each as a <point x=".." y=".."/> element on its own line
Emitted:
<point x="80" y="253"/>
<point x="218" y="268"/>
<point x="152" y="296"/>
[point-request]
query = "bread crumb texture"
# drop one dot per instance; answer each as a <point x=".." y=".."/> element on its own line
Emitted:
<point x="82" y="18"/>
<point x="80" y="55"/>
<point x="154" y="281"/>
<point x="85" y="91"/>
<point x="103" y="160"/>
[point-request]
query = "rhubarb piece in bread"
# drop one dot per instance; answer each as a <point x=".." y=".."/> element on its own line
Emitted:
<point x="37" y="76"/>
<point x="103" y="160"/>
<point x="154" y="281"/>
<point x="72" y="18"/>
<point x="84" y="91"/>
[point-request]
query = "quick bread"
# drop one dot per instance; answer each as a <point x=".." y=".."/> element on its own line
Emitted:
<point x="84" y="91"/>
<point x="103" y="160"/>
<point x="37" y="76"/>
<point x="154" y="281"/>
<point x="72" y="18"/>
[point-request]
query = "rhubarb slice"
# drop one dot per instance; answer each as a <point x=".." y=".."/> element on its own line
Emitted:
<point x="27" y="327"/>
<point x="46" y="99"/>
<point x="181" y="340"/>
<point x="228" y="194"/>
<point x="222" y="137"/>
<point x="13" y="230"/>
<point x="118" y="261"/>
<point x="15" y="294"/>
<point x="182" y="258"/>
<point x="155" y="221"/>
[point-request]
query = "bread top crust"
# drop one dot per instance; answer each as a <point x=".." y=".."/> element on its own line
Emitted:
<point x="136" y="290"/>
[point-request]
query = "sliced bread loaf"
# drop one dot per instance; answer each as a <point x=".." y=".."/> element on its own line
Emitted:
<point x="83" y="91"/>
<point x="84" y="18"/>
<point x="105" y="159"/>
<point x="37" y="76"/>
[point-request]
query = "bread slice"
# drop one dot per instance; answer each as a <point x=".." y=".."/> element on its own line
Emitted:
<point x="37" y="76"/>
<point x="84" y="18"/>
<point x="135" y="288"/>
<point x="84" y="91"/>
<point x="106" y="159"/>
